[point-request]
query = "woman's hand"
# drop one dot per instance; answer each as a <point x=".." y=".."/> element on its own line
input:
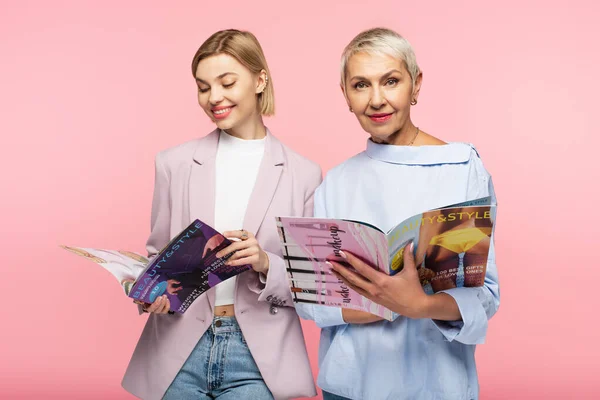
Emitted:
<point x="246" y="251"/>
<point x="401" y="293"/>
<point x="161" y="305"/>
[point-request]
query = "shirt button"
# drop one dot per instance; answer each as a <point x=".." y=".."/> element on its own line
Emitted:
<point x="218" y="323"/>
<point x="273" y="310"/>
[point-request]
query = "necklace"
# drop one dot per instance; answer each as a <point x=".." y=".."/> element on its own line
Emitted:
<point x="413" y="140"/>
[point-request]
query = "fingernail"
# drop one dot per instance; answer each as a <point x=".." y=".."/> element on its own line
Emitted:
<point x="342" y="254"/>
<point x="328" y="263"/>
<point x="412" y="246"/>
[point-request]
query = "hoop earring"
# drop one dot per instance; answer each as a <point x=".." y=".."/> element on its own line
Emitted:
<point x="414" y="102"/>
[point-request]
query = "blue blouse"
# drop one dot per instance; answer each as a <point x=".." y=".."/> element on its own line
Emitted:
<point x="408" y="358"/>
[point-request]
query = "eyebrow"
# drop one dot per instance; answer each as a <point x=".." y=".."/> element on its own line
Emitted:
<point x="385" y="76"/>
<point x="218" y="77"/>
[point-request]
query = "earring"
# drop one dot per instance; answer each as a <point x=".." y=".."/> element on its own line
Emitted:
<point x="350" y="109"/>
<point x="414" y="102"/>
<point x="266" y="83"/>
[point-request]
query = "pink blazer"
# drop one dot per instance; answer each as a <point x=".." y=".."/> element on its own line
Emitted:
<point x="185" y="190"/>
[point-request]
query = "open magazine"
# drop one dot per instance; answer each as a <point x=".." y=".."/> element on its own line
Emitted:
<point x="451" y="250"/>
<point x="183" y="270"/>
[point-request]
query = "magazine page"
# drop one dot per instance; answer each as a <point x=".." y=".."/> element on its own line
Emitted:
<point x="451" y="245"/>
<point x="308" y="243"/>
<point x="125" y="266"/>
<point x="186" y="268"/>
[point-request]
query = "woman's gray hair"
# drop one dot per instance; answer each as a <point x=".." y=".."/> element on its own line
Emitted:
<point x="381" y="41"/>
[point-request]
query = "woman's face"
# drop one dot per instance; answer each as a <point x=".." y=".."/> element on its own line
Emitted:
<point x="227" y="91"/>
<point x="379" y="90"/>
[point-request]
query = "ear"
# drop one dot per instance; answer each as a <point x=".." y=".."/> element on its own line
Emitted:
<point x="262" y="81"/>
<point x="417" y="86"/>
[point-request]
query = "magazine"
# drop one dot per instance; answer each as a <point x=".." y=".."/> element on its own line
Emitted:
<point x="183" y="270"/>
<point x="451" y="247"/>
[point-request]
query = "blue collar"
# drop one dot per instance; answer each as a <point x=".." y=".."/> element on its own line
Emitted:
<point x="451" y="153"/>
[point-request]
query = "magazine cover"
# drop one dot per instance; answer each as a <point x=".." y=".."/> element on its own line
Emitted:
<point x="183" y="270"/>
<point x="451" y="250"/>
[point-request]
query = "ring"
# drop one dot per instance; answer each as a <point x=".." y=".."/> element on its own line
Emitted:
<point x="244" y="234"/>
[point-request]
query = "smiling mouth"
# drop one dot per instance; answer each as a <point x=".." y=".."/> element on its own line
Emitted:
<point x="380" y="118"/>
<point x="222" y="112"/>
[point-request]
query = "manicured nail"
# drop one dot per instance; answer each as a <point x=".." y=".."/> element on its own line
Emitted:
<point x="412" y="246"/>
<point x="342" y="254"/>
<point x="328" y="263"/>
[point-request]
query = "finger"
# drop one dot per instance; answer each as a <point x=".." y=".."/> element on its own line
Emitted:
<point x="155" y="305"/>
<point x="234" y="247"/>
<point x="409" y="258"/>
<point x="242" y="254"/>
<point x="238" y="234"/>
<point x="353" y="278"/>
<point x="166" y="305"/>
<point x="362" y="267"/>
<point x="355" y="288"/>
<point x="243" y="261"/>
<point x="161" y="307"/>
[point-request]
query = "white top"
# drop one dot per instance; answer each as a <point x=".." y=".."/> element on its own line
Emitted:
<point x="237" y="165"/>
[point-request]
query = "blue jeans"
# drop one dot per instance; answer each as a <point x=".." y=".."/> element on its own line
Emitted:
<point x="220" y="367"/>
<point x="331" y="396"/>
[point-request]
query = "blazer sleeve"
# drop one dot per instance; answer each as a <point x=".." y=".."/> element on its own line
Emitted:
<point x="160" y="218"/>
<point x="276" y="287"/>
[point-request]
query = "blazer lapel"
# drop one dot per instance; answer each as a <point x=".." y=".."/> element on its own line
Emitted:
<point x="267" y="180"/>
<point x="202" y="188"/>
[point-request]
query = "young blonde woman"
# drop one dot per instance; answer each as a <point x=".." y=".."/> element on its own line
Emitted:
<point x="241" y="339"/>
<point x="429" y="351"/>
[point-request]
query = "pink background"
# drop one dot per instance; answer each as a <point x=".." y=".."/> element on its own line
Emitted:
<point x="90" y="92"/>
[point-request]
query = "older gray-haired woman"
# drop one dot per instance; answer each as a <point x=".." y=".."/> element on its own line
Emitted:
<point x="427" y="352"/>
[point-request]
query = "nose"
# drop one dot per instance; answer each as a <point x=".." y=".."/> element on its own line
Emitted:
<point x="216" y="96"/>
<point x="377" y="98"/>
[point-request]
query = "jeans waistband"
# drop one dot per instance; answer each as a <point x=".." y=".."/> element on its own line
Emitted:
<point x="224" y="324"/>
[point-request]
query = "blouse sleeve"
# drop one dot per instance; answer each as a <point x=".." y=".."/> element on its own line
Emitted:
<point x="476" y="304"/>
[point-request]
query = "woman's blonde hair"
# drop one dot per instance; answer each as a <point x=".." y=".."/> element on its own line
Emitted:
<point x="381" y="41"/>
<point x="244" y="47"/>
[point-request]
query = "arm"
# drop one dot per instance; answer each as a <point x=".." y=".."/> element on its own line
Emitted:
<point x="273" y="286"/>
<point x="160" y="219"/>
<point x="325" y="316"/>
<point x="475" y="305"/>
